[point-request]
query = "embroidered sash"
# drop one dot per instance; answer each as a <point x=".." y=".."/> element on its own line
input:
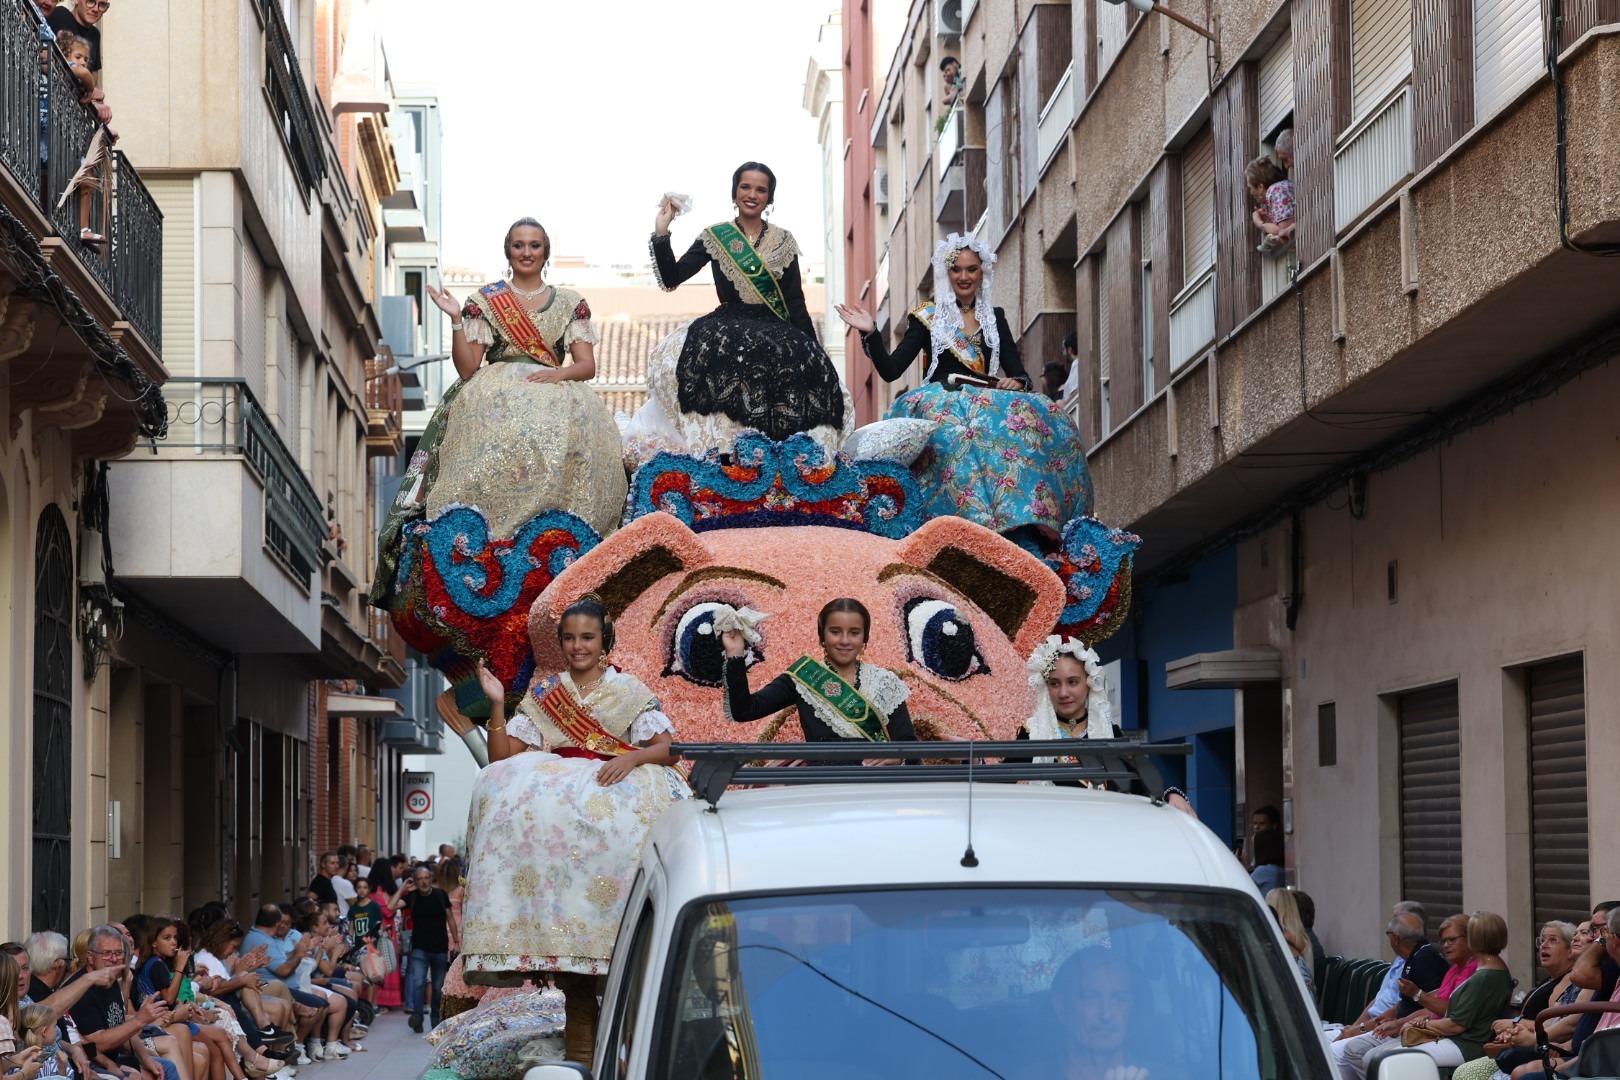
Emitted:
<point x="576" y="721"/>
<point x="746" y="259"/>
<point x="962" y="345"/>
<point x="844" y="698"/>
<point x="507" y="310"/>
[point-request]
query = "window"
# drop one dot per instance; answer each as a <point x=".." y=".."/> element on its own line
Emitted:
<point x="1327" y="735"/>
<point x="53" y="723"/>
<point x="1507" y="51"/>
<point x="1145" y="217"/>
<point x="1380" y="51"/>
<point x="957" y="982"/>
<point x="1104" y="367"/>
<point x="413" y="289"/>
<point x="1197" y="208"/>
<point x="1276" y="88"/>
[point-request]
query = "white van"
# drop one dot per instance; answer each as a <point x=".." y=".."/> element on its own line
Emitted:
<point x="876" y="930"/>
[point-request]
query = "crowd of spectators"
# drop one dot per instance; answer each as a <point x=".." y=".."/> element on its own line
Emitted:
<point x="159" y="997"/>
<point x="1451" y="1000"/>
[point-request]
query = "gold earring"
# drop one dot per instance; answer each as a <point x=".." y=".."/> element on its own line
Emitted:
<point x="601" y="661"/>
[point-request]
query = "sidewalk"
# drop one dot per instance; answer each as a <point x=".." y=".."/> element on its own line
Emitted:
<point x="393" y="1052"/>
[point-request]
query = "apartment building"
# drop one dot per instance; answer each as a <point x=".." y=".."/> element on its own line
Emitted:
<point x="81" y="377"/>
<point x="1371" y="471"/>
<point x="245" y="731"/>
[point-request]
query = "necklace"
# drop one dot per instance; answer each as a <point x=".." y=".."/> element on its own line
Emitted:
<point x="737" y="221"/>
<point x="526" y="293"/>
<point x="586" y="691"/>
<point x="969" y="306"/>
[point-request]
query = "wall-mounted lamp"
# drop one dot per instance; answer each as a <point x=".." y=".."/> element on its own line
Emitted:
<point x="1212" y="33"/>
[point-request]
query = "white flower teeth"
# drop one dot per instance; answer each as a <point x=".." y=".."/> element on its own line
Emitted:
<point x="706" y="629"/>
<point x="949" y="629"/>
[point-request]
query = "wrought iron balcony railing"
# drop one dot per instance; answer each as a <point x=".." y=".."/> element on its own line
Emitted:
<point x="284" y="82"/>
<point x="46" y="137"/>
<point x="222" y="416"/>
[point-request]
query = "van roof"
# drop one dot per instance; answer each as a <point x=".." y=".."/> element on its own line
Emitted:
<point x="849" y="835"/>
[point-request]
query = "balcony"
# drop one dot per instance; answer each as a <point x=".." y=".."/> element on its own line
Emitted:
<point x="385" y="410"/>
<point x="1373" y="157"/>
<point x="1057" y="117"/>
<point x="120" y="282"/>
<point x="289" y="98"/>
<point x="218" y="525"/>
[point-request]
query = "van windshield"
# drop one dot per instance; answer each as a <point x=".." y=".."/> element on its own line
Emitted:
<point x="972" y="983"/>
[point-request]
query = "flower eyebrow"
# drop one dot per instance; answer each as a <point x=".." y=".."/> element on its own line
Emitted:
<point x="897" y="569"/>
<point x="711" y="573"/>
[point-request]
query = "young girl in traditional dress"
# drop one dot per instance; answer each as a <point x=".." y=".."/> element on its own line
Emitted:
<point x="576" y="781"/>
<point x="837" y="697"/>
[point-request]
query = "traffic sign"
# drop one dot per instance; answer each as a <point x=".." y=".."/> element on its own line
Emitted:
<point x="418" y="796"/>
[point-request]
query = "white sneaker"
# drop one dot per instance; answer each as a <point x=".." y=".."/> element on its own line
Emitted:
<point x="331" y="1053"/>
<point x="316" y="1049"/>
<point x="303" y="1056"/>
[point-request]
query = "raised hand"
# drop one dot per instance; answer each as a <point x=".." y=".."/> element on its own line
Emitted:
<point x="444" y="301"/>
<point x="859" y="319"/>
<point x="489" y="684"/>
<point x="733" y="642"/>
<point x="665" y="218"/>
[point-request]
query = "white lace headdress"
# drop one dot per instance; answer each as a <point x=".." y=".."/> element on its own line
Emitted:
<point x="947" y="316"/>
<point x="1099" y="715"/>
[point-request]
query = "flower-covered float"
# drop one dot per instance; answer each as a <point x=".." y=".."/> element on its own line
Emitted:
<point x="781" y="528"/>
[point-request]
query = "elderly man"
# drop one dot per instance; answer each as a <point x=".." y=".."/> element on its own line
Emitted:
<point x="1425" y="1002"/>
<point x="47" y="957"/>
<point x="270" y="929"/>
<point x="109" y="1028"/>
<point x="1417" y="962"/>
<point x="1285" y="149"/>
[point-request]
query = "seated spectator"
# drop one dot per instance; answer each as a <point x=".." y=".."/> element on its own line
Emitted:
<point x="1461" y="1034"/>
<point x="1273" y="195"/>
<point x="164" y="960"/>
<point x="1416" y="960"/>
<point x="1286" y="911"/>
<point x="47" y="966"/>
<point x="54" y="1057"/>
<point x="315" y="973"/>
<point x="1597" y="969"/>
<point x="1307" y="915"/>
<point x="264" y="1020"/>
<point x="1268" y="861"/>
<point x="10" y="1018"/>
<point x="1513" y="1042"/>
<point x="1352" y="1054"/>
<point x="271" y="928"/>
<point x="110" y="1028"/>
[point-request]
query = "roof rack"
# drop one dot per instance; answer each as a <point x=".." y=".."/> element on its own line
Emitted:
<point x="1126" y="761"/>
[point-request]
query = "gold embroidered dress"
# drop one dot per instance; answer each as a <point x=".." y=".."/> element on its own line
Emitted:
<point x="511" y="447"/>
<point x="551" y="853"/>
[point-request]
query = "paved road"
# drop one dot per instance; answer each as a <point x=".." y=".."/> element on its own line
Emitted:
<point x="393" y="1052"/>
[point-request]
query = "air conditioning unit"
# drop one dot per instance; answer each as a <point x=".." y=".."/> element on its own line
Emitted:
<point x="880" y="188"/>
<point x="948" y="18"/>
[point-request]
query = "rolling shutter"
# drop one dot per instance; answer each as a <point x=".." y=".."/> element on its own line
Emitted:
<point x="1380" y="51"/>
<point x="1430" y="801"/>
<point x="1507" y="51"/>
<point x="1559" y="858"/>
<point x="253" y="321"/>
<point x="1276" y="85"/>
<point x="176" y="197"/>
<point x="1104" y="365"/>
<point x="1198" y="208"/>
<point x="1112" y="27"/>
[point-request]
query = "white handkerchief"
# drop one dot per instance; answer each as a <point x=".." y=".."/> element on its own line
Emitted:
<point x="683" y="203"/>
<point x="745" y="620"/>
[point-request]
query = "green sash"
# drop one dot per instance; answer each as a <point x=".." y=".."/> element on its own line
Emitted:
<point x="844" y="698"/>
<point x="745" y="258"/>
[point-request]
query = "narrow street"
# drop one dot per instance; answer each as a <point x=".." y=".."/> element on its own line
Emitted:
<point x="393" y="1052"/>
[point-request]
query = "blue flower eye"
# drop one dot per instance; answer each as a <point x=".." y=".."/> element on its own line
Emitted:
<point x="696" y="653"/>
<point x="942" y="641"/>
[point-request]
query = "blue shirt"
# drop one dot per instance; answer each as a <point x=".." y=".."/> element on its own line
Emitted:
<point x="276" y="948"/>
<point x="1268" y="877"/>
<point x="1389" y="994"/>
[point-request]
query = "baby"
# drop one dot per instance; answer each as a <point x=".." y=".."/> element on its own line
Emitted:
<point x="1273" y="194"/>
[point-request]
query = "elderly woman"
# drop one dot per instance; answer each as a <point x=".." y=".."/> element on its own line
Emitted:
<point x="1354" y="1058"/>
<point x="1461" y="1034"/>
<point x="1513" y="1041"/>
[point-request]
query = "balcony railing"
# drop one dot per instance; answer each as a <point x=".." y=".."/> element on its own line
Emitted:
<point x="387" y="638"/>
<point x="1057" y="117"/>
<point x="40" y="97"/>
<point x="385" y="410"/>
<point x="1192" y="320"/>
<point x="1372" y="158"/>
<point x="222" y="416"/>
<point x="952" y="129"/>
<point x="289" y="97"/>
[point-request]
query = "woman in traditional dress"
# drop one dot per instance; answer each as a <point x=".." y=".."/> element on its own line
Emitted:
<point x="558" y="819"/>
<point x="1073" y="701"/>
<point x="527" y="434"/>
<point x="1003" y="457"/>
<point x="755" y="361"/>
<point x="839" y="697"/>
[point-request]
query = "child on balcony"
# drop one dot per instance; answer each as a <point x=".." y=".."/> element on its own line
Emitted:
<point x="1273" y="194"/>
<point x="87" y="181"/>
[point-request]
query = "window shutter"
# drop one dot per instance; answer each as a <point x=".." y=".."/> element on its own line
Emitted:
<point x="1507" y="51"/>
<point x="1112" y="26"/>
<point x="253" y="351"/>
<point x="1104" y="353"/>
<point x="1430" y="801"/>
<point x="1560" y="878"/>
<point x="176" y="197"/>
<point x="1198" y="208"/>
<point x="1276" y="85"/>
<point x="1380" y="51"/>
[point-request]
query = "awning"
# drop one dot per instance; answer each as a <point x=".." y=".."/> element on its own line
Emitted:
<point x="361" y="705"/>
<point x="1228" y="669"/>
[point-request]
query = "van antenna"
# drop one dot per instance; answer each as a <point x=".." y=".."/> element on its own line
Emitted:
<point x="969" y="859"/>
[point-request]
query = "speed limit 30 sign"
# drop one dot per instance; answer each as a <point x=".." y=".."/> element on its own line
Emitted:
<point x="418" y="796"/>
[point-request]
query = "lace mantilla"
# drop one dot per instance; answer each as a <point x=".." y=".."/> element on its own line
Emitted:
<point x="776" y="248"/>
<point x="880" y="686"/>
<point x="947" y="321"/>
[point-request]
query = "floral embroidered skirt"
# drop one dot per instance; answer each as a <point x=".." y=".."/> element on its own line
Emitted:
<point x="551" y="856"/>
<point x="741" y="367"/>
<point x="1004" y="459"/>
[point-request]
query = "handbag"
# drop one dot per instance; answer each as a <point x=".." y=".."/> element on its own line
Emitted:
<point x="385" y="945"/>
<point x="372" y="965"/>
<point x="1412" y="1035"/>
